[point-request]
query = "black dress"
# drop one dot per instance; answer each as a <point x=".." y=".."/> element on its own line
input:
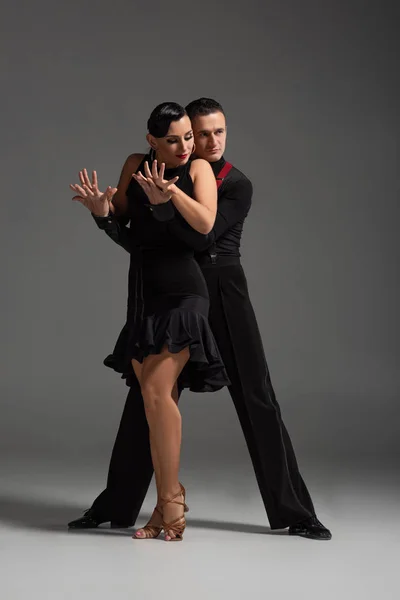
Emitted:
<point x="168" y="300"/>
<point x="234" y="325"/>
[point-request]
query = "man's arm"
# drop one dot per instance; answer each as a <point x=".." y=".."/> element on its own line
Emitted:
<point x="233" y="206"/>
<point x="115" y="224"/>
<point x="116" y="229"/>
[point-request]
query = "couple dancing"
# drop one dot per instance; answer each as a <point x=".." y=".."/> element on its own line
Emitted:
<point x="190" y="323"/>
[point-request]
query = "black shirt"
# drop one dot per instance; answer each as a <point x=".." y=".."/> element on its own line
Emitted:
<point x="234" y="202"/>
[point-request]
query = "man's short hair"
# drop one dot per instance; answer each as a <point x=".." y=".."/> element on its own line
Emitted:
<point x="203" y="107"/>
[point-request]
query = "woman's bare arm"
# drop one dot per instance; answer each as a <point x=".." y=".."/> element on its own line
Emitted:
<point x="200" y="211"/>
<point x="120" y="199"/>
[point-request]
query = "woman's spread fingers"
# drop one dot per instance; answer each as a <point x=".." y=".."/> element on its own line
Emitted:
<point x="110" y="192"/>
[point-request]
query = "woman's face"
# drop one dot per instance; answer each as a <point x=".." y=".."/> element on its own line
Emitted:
<point x="176" y="147"/>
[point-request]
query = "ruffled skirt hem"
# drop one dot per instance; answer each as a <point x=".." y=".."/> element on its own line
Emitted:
<point x="177" y="329"/>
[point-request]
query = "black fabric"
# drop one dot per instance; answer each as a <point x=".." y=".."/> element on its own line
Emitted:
<point x="131" y="467"/>
<point x="284" y="493"/>
<point x="234" y="203"/>
<point x="167" y="298"/>
<point x="116" y="229"/>
<point x="163" y="212"/>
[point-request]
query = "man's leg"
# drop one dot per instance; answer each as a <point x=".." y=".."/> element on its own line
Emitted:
<point x="233" y="322"/>
<point x="130" y="469"/>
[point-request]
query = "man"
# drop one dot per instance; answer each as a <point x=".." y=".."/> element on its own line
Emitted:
<point x="232" y="320"/>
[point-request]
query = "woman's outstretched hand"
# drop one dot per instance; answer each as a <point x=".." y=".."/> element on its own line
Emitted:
<point x="89" y="195"/>
<point x="157" y="189"/>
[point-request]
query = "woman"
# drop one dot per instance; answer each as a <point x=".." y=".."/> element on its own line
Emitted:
<point x="167" y="339"/>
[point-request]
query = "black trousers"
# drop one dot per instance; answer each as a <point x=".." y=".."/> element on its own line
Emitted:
<point x="232" y="319"/>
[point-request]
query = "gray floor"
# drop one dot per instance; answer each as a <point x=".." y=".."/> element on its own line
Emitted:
<point x="228" y="552"/>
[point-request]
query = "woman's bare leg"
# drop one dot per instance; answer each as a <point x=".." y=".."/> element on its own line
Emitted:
<point x="154" y="456"/>
<point x="159" y="375"/>
<point x="156" y="517"/>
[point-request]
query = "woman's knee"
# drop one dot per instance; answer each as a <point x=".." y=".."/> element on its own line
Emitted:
<point x="153" y="395"/>
<point x="175" y="393"/>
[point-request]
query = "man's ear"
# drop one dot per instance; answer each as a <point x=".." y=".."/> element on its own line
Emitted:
<point x="152" y="141"/>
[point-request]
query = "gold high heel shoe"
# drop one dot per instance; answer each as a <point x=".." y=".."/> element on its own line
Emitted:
<point x="183" y="492"/>
<point x="150" y="531"/>
<point x="177" y="526"/>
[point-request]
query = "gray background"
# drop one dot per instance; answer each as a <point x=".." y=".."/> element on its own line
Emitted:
<point x="310" y="90"/>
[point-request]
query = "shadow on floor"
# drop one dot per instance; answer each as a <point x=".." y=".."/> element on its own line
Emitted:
<point x="43" y="515"/>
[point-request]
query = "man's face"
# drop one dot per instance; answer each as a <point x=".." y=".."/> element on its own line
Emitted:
<point x="210" y="136"/>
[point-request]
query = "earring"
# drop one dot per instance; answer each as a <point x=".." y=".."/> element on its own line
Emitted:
<point x="152" y="154"/>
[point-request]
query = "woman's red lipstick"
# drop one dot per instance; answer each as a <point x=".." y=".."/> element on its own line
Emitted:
<point x="181" y="156"/>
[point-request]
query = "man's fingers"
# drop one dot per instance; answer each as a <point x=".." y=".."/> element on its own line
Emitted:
<point x="94" y="179"/>
<point x="172" y="181"/>
<point x="139" y="177"/>
<point x="154" y="169"/>
<point x="78" y="188"/>
<point x="74" y="187"/>
<point x="89" y="191"/>
<point x="141" y="180"/>
<point x="147" y="170"/>
<point x="86" y="179"/>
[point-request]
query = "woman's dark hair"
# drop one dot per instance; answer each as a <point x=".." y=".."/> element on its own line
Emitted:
<point x="203" y="107"/>
<point x="162" y="117"/>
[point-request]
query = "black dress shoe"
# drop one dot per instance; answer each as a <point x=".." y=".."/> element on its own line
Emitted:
<point x="311" y="528"/>
<point x="91" y="520"/>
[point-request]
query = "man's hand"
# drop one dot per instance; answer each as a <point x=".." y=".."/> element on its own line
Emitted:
<point x="157" y="189"/>
<point x="89" y="195"/>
